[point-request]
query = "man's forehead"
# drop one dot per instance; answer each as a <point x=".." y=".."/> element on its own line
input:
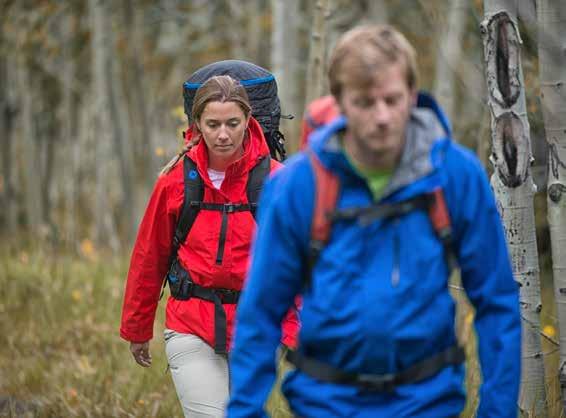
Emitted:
<point x="391" y="75"/>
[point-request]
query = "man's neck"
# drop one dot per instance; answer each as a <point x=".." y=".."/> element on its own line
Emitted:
<point x="370" y="161"/>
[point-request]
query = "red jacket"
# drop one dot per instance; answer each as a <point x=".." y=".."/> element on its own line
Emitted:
<point x="151" y="254"/>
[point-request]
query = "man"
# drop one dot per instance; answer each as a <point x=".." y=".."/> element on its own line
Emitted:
<point x="377" y="337"/>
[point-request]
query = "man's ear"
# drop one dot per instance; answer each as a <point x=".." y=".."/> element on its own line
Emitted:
<point x="414" y="97"/>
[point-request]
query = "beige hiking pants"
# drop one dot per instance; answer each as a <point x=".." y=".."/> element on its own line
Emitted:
<point x="199" y="374"/>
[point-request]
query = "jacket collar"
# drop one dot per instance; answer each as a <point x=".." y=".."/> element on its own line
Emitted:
<point x="426" y="128"/>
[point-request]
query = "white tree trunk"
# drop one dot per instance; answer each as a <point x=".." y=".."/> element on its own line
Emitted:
<point x="7" y="118"/>
<point x="377" y="11"/>
<point x="104" y="222"/>
<point x="513" y="185"/>
<point x="29" y="151"/>
<point x="316" y="70"/>
<point x="237" y="32"/>
<point x="448" y="55"/>
<point x="552" y="67"/>
<point x="71" y="146"/>
<point x="254" y="29"/>
<point x="285" y="60"/>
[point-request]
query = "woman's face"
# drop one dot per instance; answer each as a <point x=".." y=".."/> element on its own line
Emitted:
<point x="223" y="125"/>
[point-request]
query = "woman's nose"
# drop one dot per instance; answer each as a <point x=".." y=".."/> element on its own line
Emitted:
<point x="223" y="132"/>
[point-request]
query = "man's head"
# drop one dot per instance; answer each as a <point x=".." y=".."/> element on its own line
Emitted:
<point x="373" y="76"/>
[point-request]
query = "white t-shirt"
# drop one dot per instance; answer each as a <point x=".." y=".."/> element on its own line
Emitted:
<point x="216" y="177"/>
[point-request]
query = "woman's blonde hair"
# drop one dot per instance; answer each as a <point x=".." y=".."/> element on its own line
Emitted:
<point x="222" y="88"/>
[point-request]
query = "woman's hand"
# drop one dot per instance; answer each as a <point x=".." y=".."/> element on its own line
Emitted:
<point x="140" y="351"/>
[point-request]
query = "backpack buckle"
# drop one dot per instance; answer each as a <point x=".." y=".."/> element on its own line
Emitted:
<point x="376" y="382"/>
<point x="231" y="207"/>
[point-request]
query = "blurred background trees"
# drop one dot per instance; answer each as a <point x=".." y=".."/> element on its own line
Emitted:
<point x="91" y="103"/>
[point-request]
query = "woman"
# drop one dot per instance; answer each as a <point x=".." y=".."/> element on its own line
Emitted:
<point x="212" y="258"/>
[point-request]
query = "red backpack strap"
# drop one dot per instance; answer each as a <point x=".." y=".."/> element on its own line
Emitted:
<point x="440" y="219"/>
<point x="326" y="190"/>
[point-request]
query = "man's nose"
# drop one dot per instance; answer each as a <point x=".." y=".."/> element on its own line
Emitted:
<point x="382" y="113"/>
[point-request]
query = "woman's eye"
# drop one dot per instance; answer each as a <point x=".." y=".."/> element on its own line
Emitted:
<point x="233" y="124"/>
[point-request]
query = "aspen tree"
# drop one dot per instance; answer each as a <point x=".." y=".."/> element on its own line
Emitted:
<point x="552" y="68"/>
<point x="513" y="184"/>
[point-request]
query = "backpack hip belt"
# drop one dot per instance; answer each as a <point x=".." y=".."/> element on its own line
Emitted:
<point x="424" y="369"/>
<point x="183" y="288"/>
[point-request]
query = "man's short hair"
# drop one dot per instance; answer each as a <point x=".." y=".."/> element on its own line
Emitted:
<point x="363" y="51"/>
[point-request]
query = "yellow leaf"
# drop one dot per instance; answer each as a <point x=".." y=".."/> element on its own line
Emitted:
<point x="141" y="402"/>
<point x="76" y="295"/>
<point x="549" y="330"/>
<point x="159" y="151"/>
<point x="87" y="247"/>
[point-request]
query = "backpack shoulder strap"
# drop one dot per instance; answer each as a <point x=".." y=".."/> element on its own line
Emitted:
<point x="327" y="186"/>
<point x="256" y="178"/>
<point x="193" y="195"/>
<point x="440" y="219"/>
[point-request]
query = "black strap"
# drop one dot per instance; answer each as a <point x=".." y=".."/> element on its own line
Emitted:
<point x="218" y="297"/>
<point x="194" y="192"/>
<point x="222" y="238"/>
<point x="256" y="178"/>
<point x="368" y="214"/>
<point x="378" y="382"/>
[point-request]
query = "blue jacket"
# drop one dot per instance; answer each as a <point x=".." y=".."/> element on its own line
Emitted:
<point x="379" y="299"/>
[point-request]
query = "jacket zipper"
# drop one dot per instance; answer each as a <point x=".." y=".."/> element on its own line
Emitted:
<point x="395" y="275"/>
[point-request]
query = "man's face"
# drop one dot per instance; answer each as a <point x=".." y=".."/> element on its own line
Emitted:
<point x="377" y="116"/>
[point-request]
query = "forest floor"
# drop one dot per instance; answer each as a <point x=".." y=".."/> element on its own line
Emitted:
<point x="61" y="355"/>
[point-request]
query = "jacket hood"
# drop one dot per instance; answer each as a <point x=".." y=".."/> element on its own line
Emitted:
<point x="427" y="128"/>
<point x="255" y="148"/>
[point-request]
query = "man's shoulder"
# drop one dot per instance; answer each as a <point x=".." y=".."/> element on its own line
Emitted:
<point x="461" y="159"/>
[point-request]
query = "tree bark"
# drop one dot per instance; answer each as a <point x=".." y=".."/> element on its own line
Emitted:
<point x="449" y="54"/>
<point x="316" y="71"/>
<point x="135" y="77"/>
<point x="104" y="221"/>
<point x="552" y="67"/>
<point x="30" y="150"/>
<point x="8" y="202"/>
<point x="513" y="184"/>
<point x="285" y="60"/>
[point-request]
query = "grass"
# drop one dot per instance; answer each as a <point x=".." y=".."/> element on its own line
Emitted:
<point x="61" y="356"/>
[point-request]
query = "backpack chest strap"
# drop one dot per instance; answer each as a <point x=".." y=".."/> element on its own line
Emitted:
<point x="224" y="207"/>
